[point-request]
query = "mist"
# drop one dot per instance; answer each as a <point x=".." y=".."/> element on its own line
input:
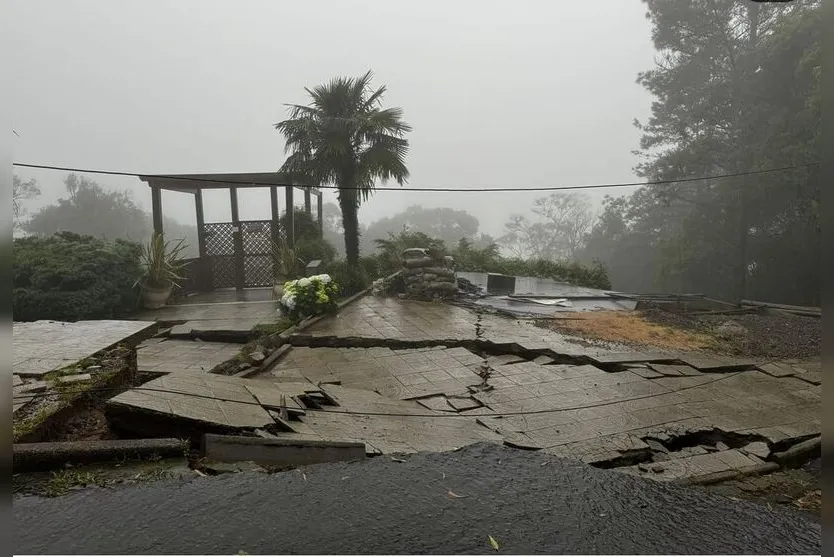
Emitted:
<point x="499" y="94"/>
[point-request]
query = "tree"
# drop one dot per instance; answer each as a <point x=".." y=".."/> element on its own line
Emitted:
<point x="89" y="209"/>
<point x="22" y="191"/>
<point x="737" y="90"/>
<point x="344" y="137"/>
<point x="559" y="231"/>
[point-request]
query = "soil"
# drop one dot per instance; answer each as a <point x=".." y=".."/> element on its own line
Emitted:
<point x="776" y="336"/>
<point x="89" y="424"/>
<point x="797" y="489"/>
<point x="631" y="328"/>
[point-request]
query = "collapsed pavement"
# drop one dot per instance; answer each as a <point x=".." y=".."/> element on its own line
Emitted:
<point x="406" y="376"/>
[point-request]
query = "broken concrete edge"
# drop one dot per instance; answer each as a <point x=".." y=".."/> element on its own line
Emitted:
<point x="65" y="404"/>
<point x="279" y="452"/>
<point x="727" y="475"/>
<point x="799" y="453"/>
<point x="32" y="457"/>
<point x="362" y="293"/>
<point x="474" y="345"/>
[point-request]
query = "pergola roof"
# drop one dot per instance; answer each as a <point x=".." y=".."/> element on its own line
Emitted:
<point x="191" y="183"/>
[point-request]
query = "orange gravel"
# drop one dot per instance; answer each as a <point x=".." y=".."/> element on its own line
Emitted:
<point x="628" y="327"/>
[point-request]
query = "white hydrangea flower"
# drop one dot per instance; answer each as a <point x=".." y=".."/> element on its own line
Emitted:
<point x="325" y="278"/>
<point x="304" y="282"/>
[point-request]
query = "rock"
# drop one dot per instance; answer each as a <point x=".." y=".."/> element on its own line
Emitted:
<point x="722" y="446"/>
<point x="33" y="387"/>
<point x="16" y="380"/>
<point x="75" y="378"/>
<point x="758" y="448"/>
<point x="257" y="356"/>
<point x="661" y="457"/>
<point x="656" y="446"/>
<point x="643" y="467"/>
<point x="658" y="468"/>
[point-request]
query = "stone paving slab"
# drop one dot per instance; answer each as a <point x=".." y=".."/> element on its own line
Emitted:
<point x="43" y="346"/>
<point x="394" y="373"/>
<point x="397" y="433"/>
<point x="210" y="399"/>
<point x="173" y="356"/>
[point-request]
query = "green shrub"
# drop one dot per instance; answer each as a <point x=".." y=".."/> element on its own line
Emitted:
<point x="350" y="279"/>
<point x="308" y="249"/>
<point x="68" y="277"/>
<point x="488" y="260"/>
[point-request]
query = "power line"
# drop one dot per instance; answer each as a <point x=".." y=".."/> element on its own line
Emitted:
<point x="429" y="189"/>
<point x="391" y="414"/>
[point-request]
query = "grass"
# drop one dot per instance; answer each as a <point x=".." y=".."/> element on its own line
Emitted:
<point x="61" y="482"/>
<point x="266" y="329"/>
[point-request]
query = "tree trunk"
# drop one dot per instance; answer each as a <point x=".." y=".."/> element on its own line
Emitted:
<point x="350" y="222"/>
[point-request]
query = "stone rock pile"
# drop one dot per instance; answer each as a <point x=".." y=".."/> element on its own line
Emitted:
<point x="427" y="274"/>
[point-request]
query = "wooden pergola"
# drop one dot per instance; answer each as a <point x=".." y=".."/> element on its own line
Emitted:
<point x="214" y="257"/>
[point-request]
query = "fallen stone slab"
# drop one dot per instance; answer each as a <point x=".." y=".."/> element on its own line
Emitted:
<point x="16" y="380"/>
<point x="778" y="369"/>
<point x="279" y="452"/>
<point x="29" y="457"/>
<point x="718" y="364"/>
<point x="632" y="357"/>
<point x="78" y="377"/>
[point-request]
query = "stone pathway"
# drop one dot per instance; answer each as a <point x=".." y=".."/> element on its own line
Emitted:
<point x="161" y="355"/>
<point x="398" y="377"/>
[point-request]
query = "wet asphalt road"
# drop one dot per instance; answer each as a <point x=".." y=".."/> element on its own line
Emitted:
<point x="529" y="502"/>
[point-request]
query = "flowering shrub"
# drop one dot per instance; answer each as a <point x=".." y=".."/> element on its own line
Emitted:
<point x="308" y="296"/>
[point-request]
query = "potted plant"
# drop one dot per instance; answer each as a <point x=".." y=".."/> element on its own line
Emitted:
<point x="284" y="266"/>
<point x="162" y="264"/>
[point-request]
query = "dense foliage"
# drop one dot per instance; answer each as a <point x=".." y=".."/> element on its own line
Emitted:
<point x="68" y="277"/>
<point x="469" y="258"/>
<point x="737" y="90"/>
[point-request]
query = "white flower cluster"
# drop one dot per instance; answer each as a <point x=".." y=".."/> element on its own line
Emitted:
<point x="288" y="300"/>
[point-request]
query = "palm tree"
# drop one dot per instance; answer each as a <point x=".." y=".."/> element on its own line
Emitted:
<point x="344" y="137"/>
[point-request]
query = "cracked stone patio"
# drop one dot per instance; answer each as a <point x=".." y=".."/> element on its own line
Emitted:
<point x="410" y="376"/>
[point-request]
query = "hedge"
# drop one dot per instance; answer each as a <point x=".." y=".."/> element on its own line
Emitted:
<point x="68" y="277"/>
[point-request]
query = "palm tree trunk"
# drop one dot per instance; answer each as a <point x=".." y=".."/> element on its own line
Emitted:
<point x="350" y="222"/>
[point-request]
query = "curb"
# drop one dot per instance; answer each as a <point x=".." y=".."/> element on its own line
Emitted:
<point x="279" y="452"/>
<point x="29" y="457"/>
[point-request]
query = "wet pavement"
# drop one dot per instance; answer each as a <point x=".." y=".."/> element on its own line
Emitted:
<point x="422" y="376"/>
<point x="448" y="503"/>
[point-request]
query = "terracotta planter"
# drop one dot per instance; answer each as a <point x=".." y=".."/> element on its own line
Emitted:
<point x="155" y="298"/>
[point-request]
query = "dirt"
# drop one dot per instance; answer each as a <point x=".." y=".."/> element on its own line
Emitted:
<point x="776" y="336"/>
<point x="87" y="425"/>
<point x="631" y="328"/>
<point x="797" y="489"/>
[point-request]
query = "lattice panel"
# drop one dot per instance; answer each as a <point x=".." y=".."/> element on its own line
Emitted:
<point x="257" y="237"/>
<point x="223" y="271"/>
<point x="257" y="270"/>
<point x="220" y="239"/>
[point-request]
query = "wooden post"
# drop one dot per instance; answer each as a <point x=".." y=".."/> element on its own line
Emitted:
<point x="290" y="216"/>
<point x="319" y="208"/>
<point x="308" y="206"/>
<point x="156" y="208"/>
<point x="240" y="276"/>
<point x="205" y="280"/>
<point x="276" y="215"/>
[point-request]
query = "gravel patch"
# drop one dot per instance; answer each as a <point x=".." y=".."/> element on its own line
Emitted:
<point x="755" y="334"/>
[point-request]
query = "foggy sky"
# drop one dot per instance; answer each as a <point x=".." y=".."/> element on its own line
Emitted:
<point x="521" y="93"/>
